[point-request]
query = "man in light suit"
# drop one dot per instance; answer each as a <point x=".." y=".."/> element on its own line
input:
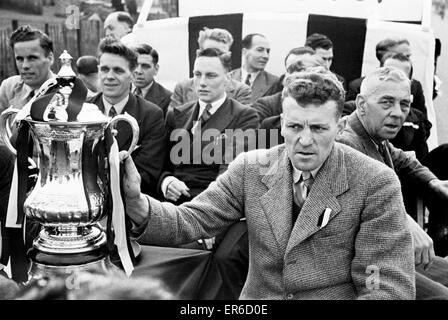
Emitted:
<point x="116" y="63"/>
<point x="256" y="51"/>
<point x="339" y="237"/>
<point x="144" y="84"/>
<point x="382" y="107"/>
<point x="222" y="40"/>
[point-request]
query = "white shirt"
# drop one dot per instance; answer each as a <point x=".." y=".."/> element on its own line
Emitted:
<point x="118" y="106"/>
<point x="215" y="106"/>
<point x="144" y="90"/>
<point x="244" y="74"/>
<point x="296" y="174"/>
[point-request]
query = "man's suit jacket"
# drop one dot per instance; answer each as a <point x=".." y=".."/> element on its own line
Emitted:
<point x="151" y="153"/>
<point x="408" y="168"/>
<point x="365" y="231"/>
<point x="194" y="170"/>
<point x="184" y="92"/>
<point x="260" y="86"/>
<point x="268" y="106"/>
<point x="160" y="96"/>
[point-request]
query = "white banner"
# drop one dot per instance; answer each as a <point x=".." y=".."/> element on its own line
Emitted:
<point x="393" y="10"/>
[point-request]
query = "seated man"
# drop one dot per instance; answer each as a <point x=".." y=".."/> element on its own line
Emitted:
<point x="115" y="70"/>
<point x="382" y="106"/>
<point x="324" y="221"/>
<point x="324" y="48"/>
<point x="222" y="40"/>
<point x="297" y="59"/>
<point x="256" y="52"/>
<point x="205" y="126"/>
<point x="416" y="129"/>
<point x="144" y="83"/>
<point x="33" y="53"/>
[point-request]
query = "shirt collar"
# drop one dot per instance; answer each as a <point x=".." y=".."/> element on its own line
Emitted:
<point x="145" y="90"/>
<point x="215" y="105"/>
<point x="27" y="89"/>
<point x="298" y="173"/>
<point x="370" y="137"/>
<point x="244" y="74"/>
<point x="118" y="106"/>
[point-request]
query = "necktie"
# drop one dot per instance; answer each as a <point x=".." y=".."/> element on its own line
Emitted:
<point x="138" y="92"/>
<point x="203" y="118"/>
<point x="302" y="188"/>
<point x="206" y="114"/>
<point x="30" y="95"/>
<point x="248" y="80"/>
<point x="112" y="112"/>
<point x="383" y="152"/>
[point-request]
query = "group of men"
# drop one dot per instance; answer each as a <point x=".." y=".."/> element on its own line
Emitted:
<point x="316" y="212"/>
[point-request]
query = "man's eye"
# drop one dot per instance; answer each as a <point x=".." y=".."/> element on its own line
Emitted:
<point x="317" y="129"/>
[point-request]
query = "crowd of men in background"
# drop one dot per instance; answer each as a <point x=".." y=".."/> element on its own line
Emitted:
<point x="384" y="119"/>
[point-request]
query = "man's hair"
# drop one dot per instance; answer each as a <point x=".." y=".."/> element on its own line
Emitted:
<point x="147" y="49"/>
<point x="315" y="87"/>
<point x="380" y="75"/>
<point x="396" y="56"/>
<point x="125" y="17"/>
<point x="246" y="43"/>
<point x="87" y="64"/>
<point x="225" y="58"/>
<point x="318" y="40"/>
<point x="385" y="45"/>
<point x="299" y="66"/>
<point x="300" y="51"/>
<point x="26" y="33"/>
<point x="216" y="34"/>
<point x="113" y="46"/>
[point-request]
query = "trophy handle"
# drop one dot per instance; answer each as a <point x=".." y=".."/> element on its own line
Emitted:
<point x="134" y="125"/>
<point x="5" y="129"/>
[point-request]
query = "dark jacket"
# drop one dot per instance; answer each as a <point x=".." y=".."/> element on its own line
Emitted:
<point x="191" y="167"/>
<point x="160" y="96"/>
<point x="150" y="155"/>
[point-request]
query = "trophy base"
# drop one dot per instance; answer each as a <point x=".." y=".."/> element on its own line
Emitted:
<point x="48" y="265"/>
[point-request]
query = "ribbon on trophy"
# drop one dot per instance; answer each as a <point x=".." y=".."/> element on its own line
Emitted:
<point x="41" y="107"/>
<point x="13" y="244"/>
<point x="118" y="223"/>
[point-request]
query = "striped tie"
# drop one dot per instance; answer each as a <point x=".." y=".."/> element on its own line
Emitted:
<point x="248" y="80"/>
<point x="302" y="188"/>
<point x="112" y="112"/>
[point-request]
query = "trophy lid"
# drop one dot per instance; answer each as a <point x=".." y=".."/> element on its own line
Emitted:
<point x="66" y="70"/>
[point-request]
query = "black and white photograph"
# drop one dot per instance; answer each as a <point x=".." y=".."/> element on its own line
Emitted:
<point x="224" y="155"/>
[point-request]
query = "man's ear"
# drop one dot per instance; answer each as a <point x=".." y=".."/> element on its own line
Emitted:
<point x="341" y="124"/>
<point x="281" y="125"/>
<point x="51" y="58"/>
<point x="156" y="67"/>
<point x="361" y="104"/>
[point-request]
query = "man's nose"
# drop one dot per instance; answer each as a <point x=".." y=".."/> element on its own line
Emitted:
<point x="396" y="110"/>
<point x="26" y="64"/>
<point x="305" y="137"/>
<point x="138" y="70"/>
<point x="202" y="81"/>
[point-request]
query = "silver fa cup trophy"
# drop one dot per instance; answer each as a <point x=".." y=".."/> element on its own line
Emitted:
<point x="69" y="197"/>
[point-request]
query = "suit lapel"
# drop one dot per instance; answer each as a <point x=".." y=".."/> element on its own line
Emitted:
<point x="185" y="116"/>
<point x="368" y="145"/>
<point x="277" y="201"/>
<point x="259" y="86"/>
<point x="331" y="181"/>
<point x="221" y="118"/>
